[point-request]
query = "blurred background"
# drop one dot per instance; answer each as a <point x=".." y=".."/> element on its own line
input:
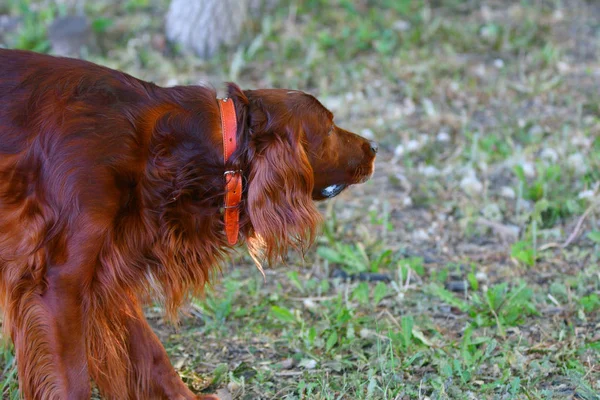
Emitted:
<point x="467" y="267"/>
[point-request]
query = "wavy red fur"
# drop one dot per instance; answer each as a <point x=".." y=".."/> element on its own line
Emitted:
<point x="111" y="191"/>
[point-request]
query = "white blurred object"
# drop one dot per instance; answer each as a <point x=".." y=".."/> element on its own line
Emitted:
<point x="470" y="184"/>
<point x="203" y="26"/>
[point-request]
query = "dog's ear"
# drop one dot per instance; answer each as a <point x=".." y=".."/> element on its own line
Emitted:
<point x="280" y="184"/>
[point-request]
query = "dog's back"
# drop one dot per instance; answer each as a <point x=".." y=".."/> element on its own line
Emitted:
<point x="56" y="153"/>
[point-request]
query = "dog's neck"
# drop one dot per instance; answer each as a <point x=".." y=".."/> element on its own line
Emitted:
<point x="185" y="153"/>
<point x="233" y="177"/>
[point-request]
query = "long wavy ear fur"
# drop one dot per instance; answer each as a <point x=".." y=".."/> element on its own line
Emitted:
<point x="280" y="186"/>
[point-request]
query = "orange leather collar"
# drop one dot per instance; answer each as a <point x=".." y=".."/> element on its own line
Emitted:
<point x="233" y="178"/>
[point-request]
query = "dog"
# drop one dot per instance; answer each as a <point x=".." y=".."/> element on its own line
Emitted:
<point x="115" y="191"/>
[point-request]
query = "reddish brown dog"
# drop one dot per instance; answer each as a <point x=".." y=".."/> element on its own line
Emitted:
<point x="111" y="194"/>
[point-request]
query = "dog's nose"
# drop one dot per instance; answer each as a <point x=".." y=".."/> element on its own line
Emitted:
<point x="374" y="147"/>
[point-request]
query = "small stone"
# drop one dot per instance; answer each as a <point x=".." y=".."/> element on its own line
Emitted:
<point x="471" y="185"/>
<point x="549" y="154"/>
<point x="536" y="131"/>
<point x="482" y="166"/>
<point x="233" y="386"/>
<point x="288" y="363"/>
<point x="563" y="67"/>
<point x="401" y="25"/>
<point x="429" y="108"/>
<point x="558" y="15"/>
<point x="413" y="145"/>
<point x="443" y="137"/>
<point x="581" y="140"/>
<point x="420" y="235"/>
<point x="488" y="32"/>
<point x="507" y="192"/>
<point x="481" y="276"/>
<point x="499" y="63"/>
<point x="309" y="303"/>
<point x="528" y="169"/>
<point x="367" y="134"/>
<point x="365" y="333"/>
<point x="492" y="212"/>
<point x="457" y="286"/>
<point x="399" y="152"/>
<point x="308" y="363"/>
<point x="586" y="194"/>
<point x="429" y="171"/>
<point x="480" y="71"/>
<point x="577" y="163"/>
<point x="409" y="107"/>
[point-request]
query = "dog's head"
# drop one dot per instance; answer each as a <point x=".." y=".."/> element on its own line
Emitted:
<point x="296" y="154"/>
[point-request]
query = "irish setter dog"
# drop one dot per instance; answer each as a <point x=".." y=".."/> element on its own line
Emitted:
<point x="111" y="194"/>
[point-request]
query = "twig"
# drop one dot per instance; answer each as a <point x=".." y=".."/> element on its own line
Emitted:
<point x="575" y="232"/>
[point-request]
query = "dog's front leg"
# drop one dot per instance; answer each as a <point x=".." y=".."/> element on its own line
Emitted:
<point x="151" y="364"/>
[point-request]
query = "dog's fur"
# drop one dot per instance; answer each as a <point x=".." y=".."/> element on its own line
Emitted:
<point x="111" y="191"/>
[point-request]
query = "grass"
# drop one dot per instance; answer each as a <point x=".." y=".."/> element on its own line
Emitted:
<point x="468" y="267"/>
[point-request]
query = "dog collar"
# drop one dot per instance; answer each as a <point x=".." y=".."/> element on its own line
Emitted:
<point x="233" y="178"/>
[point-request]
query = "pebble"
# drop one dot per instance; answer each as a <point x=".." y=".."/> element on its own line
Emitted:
<point x="481" y="276"/>
<point x="563" y="67"/>
<point x="365" y="333"/>
<point x="308" y="363"/>
<point x="443" y="137"/>
<point x="398" y="153"/>
<point x="536" y="131"/>
<point x="413" y="145"/>
<point x="401" y="25"/>
<point x="429" y="170"/>
<point x="333" y="102"/>
<point x="507" y="192"/>
<point x="409" y="107"/>
<point x="471" y="185"/>
<point x="288" y="363"/>
<point x="586" y="194"/>
<point x="457" y="286"/>
<point x="577" y="163"/>
<point x="492" y="212"/>
<point x="528" y="169"/>
<point x="420" y="235"/>
<point x="480" y="71"/>
<point x="429" y="107"/>
<point x="549" y="154"/>
<point x="309" y="303"/>
<point x="367" y="134"/>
